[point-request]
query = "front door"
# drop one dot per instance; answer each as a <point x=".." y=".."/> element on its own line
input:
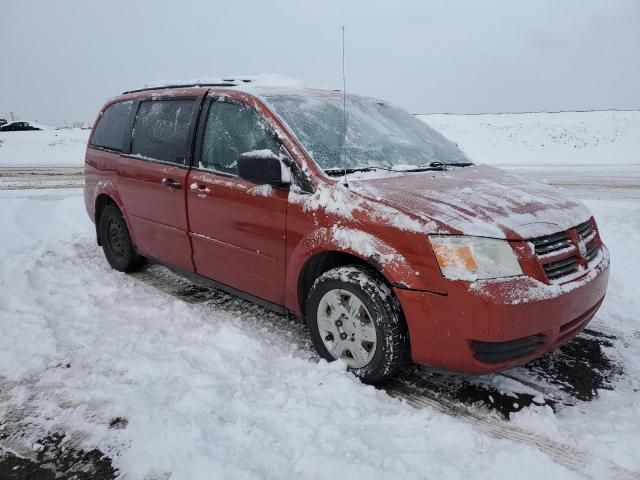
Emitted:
<point x="237" y="228"/>
<point x="152" y="179"/>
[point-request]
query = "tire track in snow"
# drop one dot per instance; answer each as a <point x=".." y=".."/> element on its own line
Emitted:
<point x="578" y="460"/>
<point x="581" y="461"/>
<point x="611" y="331"/>
<point x="27" y="178"/>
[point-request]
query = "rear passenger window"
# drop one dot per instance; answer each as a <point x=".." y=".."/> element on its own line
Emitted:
<point x="112" y="123"/>
<point x="161" y="130"/>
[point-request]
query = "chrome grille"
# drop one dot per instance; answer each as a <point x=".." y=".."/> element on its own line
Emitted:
<point x="551" y="243"/>
<point x="561" y="268"/>
<point x="564" y="253"/>
<point x="592" y="251"/>
<point x="584" y="230"/>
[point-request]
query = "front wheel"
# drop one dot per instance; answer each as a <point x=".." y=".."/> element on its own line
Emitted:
<point x="353" y="316"/>
<point x="116" y="241"/>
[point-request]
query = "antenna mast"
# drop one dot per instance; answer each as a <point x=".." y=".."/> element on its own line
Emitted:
<point x="344" y="115"/>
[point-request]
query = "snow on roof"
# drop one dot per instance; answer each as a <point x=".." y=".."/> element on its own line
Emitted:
<point x="263" y="85"/>
<point x="260" y="80"/>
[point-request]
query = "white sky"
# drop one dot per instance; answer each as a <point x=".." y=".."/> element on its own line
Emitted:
<point x="61" y="59"/>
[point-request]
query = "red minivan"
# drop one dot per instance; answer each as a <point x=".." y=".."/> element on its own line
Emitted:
<point x="349" y="213"/>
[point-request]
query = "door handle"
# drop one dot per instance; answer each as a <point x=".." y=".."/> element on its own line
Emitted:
<point x="171" y="183"/>
<point x="194" y="187"/>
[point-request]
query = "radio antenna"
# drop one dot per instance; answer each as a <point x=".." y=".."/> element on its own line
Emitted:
<point x="344" y="116"/>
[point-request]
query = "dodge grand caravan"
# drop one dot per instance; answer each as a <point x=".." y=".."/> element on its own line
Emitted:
<point x="379" y="232"/>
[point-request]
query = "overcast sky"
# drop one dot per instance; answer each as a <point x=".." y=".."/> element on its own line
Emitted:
<point x="61" y="59"/>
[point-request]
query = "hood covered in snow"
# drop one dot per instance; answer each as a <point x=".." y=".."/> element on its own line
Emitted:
<point x="479" y="200"/>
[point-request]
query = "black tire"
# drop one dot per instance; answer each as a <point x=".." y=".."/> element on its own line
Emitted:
<point x="392" y="345"/>
<point x="116" y="241"/>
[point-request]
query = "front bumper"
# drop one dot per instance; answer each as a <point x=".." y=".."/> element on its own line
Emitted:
<point x="487" y="326"/>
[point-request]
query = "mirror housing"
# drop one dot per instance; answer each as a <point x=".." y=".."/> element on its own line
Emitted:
<point x="263" y="167"/>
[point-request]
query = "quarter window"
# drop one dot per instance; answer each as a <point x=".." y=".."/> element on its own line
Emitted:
<point x="109" y="132"/>
<point x="161" y="130"/>
<point x="231" y="130"/>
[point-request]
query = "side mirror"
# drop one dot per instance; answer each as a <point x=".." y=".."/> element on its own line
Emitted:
<point x="263" y="167"/>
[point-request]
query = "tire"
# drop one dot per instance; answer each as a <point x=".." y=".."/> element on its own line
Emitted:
<point x="333" y="312"/>
<point x="116" y="241"/>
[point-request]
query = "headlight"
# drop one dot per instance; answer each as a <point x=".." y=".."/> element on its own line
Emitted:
<point x="473" y="258"/>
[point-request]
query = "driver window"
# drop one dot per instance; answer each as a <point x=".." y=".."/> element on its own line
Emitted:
<point x="230" y="130"/>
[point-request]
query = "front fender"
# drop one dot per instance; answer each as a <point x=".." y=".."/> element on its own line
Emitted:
<point x="382" y="256"/>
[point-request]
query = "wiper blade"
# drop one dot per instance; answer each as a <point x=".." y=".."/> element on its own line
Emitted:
<point x="461" y="164"/>
<point x="335" y="172"/>
<point x="431" y="166"/>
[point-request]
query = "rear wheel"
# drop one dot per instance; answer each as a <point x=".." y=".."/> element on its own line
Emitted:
<point x="116" y="241"/>
<point x="353" y="316"/>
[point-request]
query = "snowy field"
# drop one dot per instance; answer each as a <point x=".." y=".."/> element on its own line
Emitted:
<point x="39" y="148"/>
<point x="565" y="138"/>
<point x="172" y="381"/>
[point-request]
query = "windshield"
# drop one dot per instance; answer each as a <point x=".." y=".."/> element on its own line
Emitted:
<point x="379" y="135"/>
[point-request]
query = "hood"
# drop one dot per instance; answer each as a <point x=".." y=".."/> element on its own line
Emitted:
<point x="478" y="200"/>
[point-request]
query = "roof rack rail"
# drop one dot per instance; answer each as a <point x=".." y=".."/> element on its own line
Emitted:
<point x="189" y="85"/>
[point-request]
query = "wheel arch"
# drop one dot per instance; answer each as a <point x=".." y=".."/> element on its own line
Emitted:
<point x="102" y="200"/>
<point x="106" y="193"/>
<point x="324" y="261"/>
<point x="328" y="248"/>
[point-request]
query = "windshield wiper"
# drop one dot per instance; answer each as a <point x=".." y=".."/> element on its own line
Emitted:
<point x="461" y="164"/>
<point x="431" y="166"/>
<point x="336" y="172"/>
<point x="423" y="168"/>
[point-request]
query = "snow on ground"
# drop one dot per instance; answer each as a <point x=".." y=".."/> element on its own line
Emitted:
<point x="212" y="393"/>
<point x="609" y="425"/>
<point x="565" y="138"/>
<point x="206" y="394"/>
<point x="53" y="148"/>
<point x="619" y="224"/>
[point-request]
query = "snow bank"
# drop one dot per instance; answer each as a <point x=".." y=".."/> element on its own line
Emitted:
<point x="54" y="148"/>
<point x="567" y="138"/>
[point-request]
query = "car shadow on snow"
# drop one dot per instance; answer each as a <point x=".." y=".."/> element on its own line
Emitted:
<point x="574" y="372"/>
<point x="581" y="367"/>
<point x="55" y="460"/>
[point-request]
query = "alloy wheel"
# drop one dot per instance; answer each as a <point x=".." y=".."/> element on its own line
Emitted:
<point x="346" y="328"/>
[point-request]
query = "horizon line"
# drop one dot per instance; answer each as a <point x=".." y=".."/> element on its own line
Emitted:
<point x="537" y="111"/>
